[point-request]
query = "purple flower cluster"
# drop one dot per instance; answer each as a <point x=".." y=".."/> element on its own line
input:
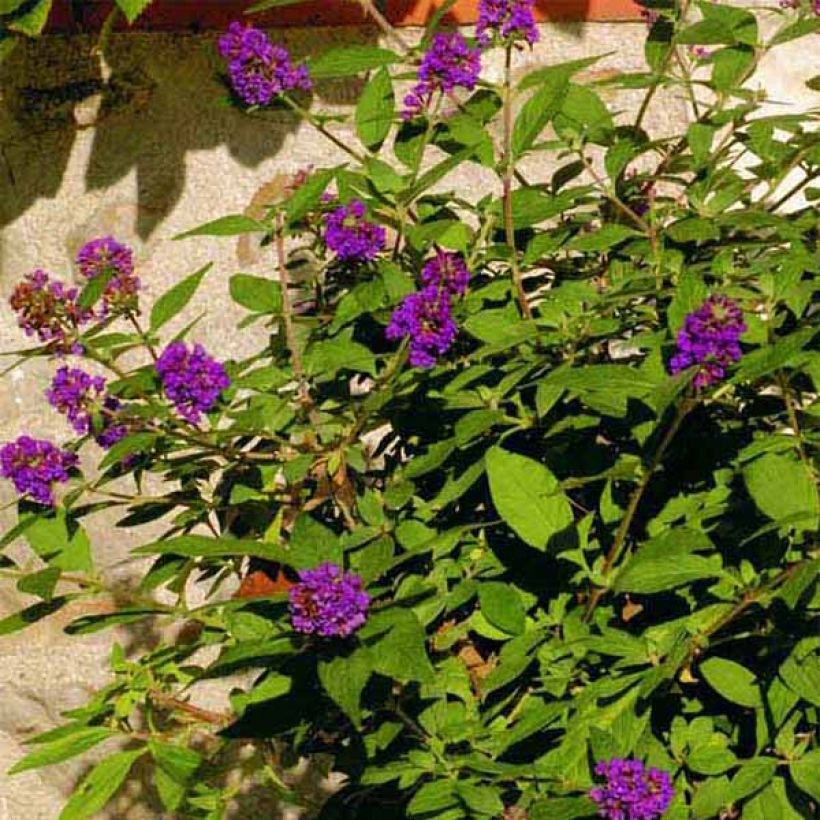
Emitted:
<point x="632" y="792"/>
<point x="48" y="309"/>
<point x="449" y="63"/>
<point x="447" y="271"/>
<point x="73" y="393"/>
<point x="34" y="465"/>
<point x="259" y="70"/>
<point x="512" y="19"/>
<point x="105" y="255"/>
<point x="192" y="380"/>
<point x="710" y="338"/>
<point x="328" y="602"/>
<point x="78" y="395"/>
<point x="351" y="236"/>
<point x="427" y="315"/>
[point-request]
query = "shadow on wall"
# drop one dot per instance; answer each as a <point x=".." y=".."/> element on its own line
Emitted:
<point x="162" y="98"/>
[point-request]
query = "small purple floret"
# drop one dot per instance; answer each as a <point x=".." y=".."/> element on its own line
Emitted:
<point x="351" y="236"/>
<point x="511" y="19"/>
<point x="710" y="338"/>
<point x="192" y="380"/>
<point x="34" y="465"/>
<point x="632" y="792"/>
<point x="447" y="270"/>
<point x="105" y="255"/>
<point x="427" y="318"/>
<point x="259" y="70"/>
<point x="49" y="310"/>
<point x="328" y="602"/>
<point x="449" y="64"/>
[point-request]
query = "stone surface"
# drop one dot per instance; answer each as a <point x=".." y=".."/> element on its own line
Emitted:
<point x="142" y="147"/>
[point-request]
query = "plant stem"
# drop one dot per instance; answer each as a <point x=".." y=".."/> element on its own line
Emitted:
<point x="619" y="542"/>
<point x="506" y="180"/>
<point x="290" y="328"/>
<point x="329" y="135"/>
<point x="369" y="8"/>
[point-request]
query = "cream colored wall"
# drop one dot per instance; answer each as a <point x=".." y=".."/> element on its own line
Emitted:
<point x="147" y="156"/>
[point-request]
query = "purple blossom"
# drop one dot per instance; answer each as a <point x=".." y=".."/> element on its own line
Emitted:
<point x="650" y="17"/>
<point x="700" y="52"/>
<point x="105" y="255"/>
<point x="79" y="396"/>
<point x="259" y="70"/>
<point x="73" y="393"/>
<point x="710" y="338"/>
<point x="328" y="602"/>
<point x="192" y="380"/>
<point x="34" y="465"/>
<point x="512" y="19"/>
<point x="447" y="270"/>
<point x="48" y="309"/>
<point x="450" y="63"/>
<point x="351" y="236"/>
<point x="427" y="318"/>
<point x="631" y="792"/>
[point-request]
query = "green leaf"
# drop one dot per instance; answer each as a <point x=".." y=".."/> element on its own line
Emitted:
<point x="700" y="136"/>
<point x="783" y="489"/>
<point x="132" y="8"/>
<point x="733" y="681"/>
<point x="312" y="543"/>
<point x="650" y="574"/>
<point x="710" y="797"/>
<point x="752" y="776"/>
<point x="308" y="195"/>
<point x="604" y="238"/>
<point x="434" y="797"/>
<point x="538" y="111"/>
<point x="232" y="225"/>
<point x="175" y="766"/>
<point x="563" y="808"/>
<point x="375" y="110"/>
<point x="93" y="291"/>
<point x="201" y="546"/>
<point x="480" y="800"/>
<point x="94" y="623"/>
<point x="527" y="497"/>
<point x="9" y="6"/>
<point x="329" y="356"/>
<point x="78" y="741"/>
<point x="402" y="654"/>
<point x="33" y="20"/>
<point x="806" y="773"/>
<point x="272" y="4"/>
<point x="350" y="60"/>
<point x="583" y="114"/>
<point x="761" y="362"/>
<point x="173" y="301"/>
<point x="40" y="583"/>
<point x="100" y="785"/>
<point x="730" y="66"/>
<point x="256" y="293"/>
<point x="32" y="614"/>
<point x="134" y="443"/>
<point x="502" y="607"/>
<point x="344" y="679"/>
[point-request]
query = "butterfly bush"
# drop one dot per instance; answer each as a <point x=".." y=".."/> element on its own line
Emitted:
<point x="259" y="71"/>
<point x="508" y="508"/>
<point x="328" y="602"/>
<point x="449" y="64"/>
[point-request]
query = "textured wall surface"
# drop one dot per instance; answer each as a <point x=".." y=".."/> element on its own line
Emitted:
<point x="143" y="148"/>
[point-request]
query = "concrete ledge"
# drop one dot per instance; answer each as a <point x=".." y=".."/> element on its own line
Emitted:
<point x="201" y="15"/>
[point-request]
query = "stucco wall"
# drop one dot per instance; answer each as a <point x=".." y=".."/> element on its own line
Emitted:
<point x="145" y="153"/>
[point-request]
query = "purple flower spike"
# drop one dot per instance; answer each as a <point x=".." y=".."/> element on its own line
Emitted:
<point x="631" y="792"/>
<point x="448" y="271"/>
<point x="351" y="236"/>
<point x="328" y="602"/>
<point x="192" y="380"/>
<point x="48" y="309"/>
<point x="34" y="465"/>
<point x="511" y="19"/>
<point x="449" y="64"/>
<point x="259" y="70"/>
<point x="710" y="337"/>
<point x="427" y="318"/>
<point x="106" y="255"/>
